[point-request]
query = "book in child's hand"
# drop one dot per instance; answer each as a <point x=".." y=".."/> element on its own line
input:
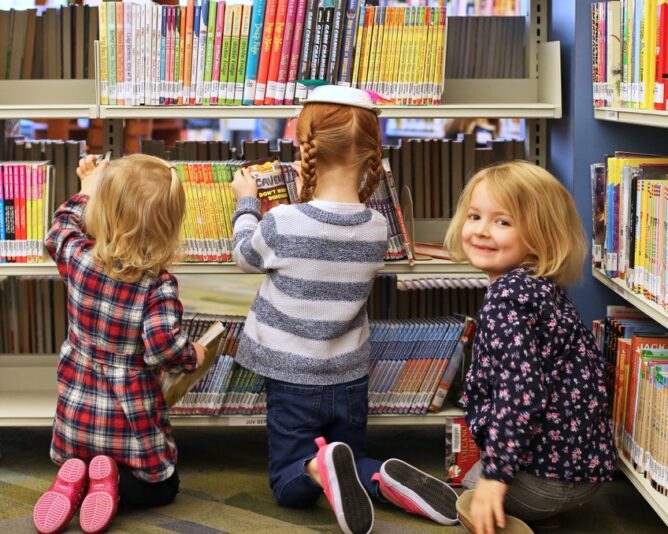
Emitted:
<point x="272" y="189"/>
<point x="177" y="382"/>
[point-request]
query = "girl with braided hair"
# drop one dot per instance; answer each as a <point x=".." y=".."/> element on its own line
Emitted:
<point x="307" y="331"/>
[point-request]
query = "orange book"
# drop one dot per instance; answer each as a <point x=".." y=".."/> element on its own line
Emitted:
<point x="639" y="342"/>
<point x="276" y="47"/>
<point x="188" y="60"/>
<point x="265" y="51"/>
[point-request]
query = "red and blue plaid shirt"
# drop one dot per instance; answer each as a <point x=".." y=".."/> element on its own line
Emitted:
<point x="120" y="335"/>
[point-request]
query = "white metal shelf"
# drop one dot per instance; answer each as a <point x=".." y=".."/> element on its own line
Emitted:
<point x="492" y="110"/>
<point x="63" y="99"/>
<point x="657" y="501"/>
<point x="433" y="266"/>
<point x="649" y="308"/>
<point x="642" y="117"/>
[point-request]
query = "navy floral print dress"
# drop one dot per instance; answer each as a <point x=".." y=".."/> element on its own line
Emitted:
<point x="536" y="398"/>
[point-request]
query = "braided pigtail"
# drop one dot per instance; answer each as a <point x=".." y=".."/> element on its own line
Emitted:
<point x="374" y="172"/>
<point x="308" y="168"/>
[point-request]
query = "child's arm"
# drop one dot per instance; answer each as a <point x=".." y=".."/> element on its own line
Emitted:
<point x="166" y="342"/>
<point x="66" y="232"/>
<point x="252" y="251"/>
<point x="508" y="370"/>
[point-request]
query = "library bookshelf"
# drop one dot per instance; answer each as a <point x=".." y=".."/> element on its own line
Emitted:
<point x="641" y="117"/>
<point x="655" y="499"/>
<point x="28" y="381"/>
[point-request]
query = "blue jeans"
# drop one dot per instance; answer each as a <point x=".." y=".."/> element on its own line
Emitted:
<point x="298" y="414"/>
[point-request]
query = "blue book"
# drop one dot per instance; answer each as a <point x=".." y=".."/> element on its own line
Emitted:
<point x="163" y="54"/>
<point x="254" y="46"/>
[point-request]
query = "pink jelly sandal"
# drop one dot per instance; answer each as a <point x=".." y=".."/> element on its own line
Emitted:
<point x="58" y="504"/>
<point x="99" y="507"/>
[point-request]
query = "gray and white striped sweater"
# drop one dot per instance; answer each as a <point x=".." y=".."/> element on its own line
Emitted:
<point x="308" y="323"/>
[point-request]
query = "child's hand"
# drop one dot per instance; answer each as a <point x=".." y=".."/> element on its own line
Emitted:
<point x="299" y="180"/>
<point x="487" y="506"/>
<point x="200" y="351"/>
<point x="244" y="184"/>
<point x="90" y="173"/>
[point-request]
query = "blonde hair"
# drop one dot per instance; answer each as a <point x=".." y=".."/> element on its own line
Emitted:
<point x="135" y="217"/>
<point x="336" y="134"/>
<point x="544" y="212"/>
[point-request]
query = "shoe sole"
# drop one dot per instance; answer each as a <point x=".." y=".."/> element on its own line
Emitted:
<point x="435" y="498"/>
<point x="352" y="505"/>
<point x="98" y="508"/>
<point x="514" y="525"/>
<point x="53" y="511"/>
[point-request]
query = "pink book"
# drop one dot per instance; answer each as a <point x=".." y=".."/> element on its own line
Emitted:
<point x="218" y="39"/>
<point x="285" y="52"/>
<point x="295" y="49"/>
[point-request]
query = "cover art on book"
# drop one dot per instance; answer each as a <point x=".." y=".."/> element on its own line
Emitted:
<point x="176" y="383"/>
<point x="271" y="187"/>
<point x="461" y="452"/>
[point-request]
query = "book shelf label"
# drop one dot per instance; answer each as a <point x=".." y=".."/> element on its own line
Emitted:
<point x="611" y="115"/>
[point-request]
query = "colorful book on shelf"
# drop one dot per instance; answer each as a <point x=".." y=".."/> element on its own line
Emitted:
<point x="453" y="367"/>
<point x="461" y="452"/>
<point x="265" y="51"/>
<point x="254" y="47"/>
<point x="271" y="187"/>
<point x="176" y="383"/>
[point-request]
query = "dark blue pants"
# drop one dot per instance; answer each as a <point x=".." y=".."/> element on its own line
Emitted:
<point x="296" y="415"/>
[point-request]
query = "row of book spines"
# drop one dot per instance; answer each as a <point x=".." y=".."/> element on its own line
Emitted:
<point x="634" y="213"/>
<point x="282" y="150"/>
<point x="23" y="217"/>
<point x="486" y="7"/>
<point x="58" y="43"/>
<point x="634" y="372"/>
<point x="33" y="315"/>
<point x="396" y="387"/>
<point x="630" y="54"/>
<point x="154" y="55"/>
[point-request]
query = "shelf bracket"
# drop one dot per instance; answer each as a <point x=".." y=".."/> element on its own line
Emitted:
<point x="112" y="131"/>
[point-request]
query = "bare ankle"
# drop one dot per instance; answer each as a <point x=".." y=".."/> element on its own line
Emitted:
<point x="312" y="470"/>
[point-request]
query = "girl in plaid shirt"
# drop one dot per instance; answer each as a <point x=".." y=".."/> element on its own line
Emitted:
<point x="112" y="243"/>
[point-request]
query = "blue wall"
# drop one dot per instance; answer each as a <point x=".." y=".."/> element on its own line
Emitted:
<point x="578" y="140"/>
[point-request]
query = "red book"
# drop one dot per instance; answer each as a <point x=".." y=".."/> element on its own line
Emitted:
<point x="276" y="49"/>
<point x="265" y="51"/>
<point x="659" y="86"/>
<point x="284" y="57"/>
<point x="461" y="452"/>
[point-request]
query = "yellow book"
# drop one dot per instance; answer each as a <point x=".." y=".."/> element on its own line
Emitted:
<point x="223" y="216"/>
<point x="44" y="181"/>
<point x="212" y="226"/>
<point x="440" y="55"/>
<point x="373" y="49"/>
<point x="403" y="54"/>
<point x="359" y="44"/>
<point x="365" y="60"/>
<point x="648" y="55"/>
<point x="104" y="61"/>
<point x="195" y="252"/>
<point x="176" y="383"/>
<point x="426" y="85"/>
<point x="398" y="47"/>
<point x="418" y="73"/>
<point x="389" y="56"/>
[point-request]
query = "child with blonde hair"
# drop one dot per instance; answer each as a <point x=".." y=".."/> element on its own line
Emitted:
<point x="307" y="331"/>
<point x="535" y="395"/>
<point x="112" y="244"/>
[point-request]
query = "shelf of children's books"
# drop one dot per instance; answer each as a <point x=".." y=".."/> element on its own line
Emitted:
<point x="510" y="110"/>
<point x="657" y="501"/>
<point x="649" y="308"/>
<point x="434" y="266"/>
<point x="643" y="117"/>
<point x="64" y="99"/>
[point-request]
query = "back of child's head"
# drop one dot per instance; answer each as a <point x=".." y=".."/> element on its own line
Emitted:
<point x="543" y="211"/>
<point x="135" y="217"/>
<point x="335" y="134"/>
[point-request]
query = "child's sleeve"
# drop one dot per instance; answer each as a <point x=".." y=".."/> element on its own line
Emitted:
<point x="509" y="358"/>
<point x="66" y="233"/>
<point x="167" y="345"/>
<point x="253" y="236"/>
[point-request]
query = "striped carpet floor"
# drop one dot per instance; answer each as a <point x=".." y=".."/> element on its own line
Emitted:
<point x="224" y="489"/>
